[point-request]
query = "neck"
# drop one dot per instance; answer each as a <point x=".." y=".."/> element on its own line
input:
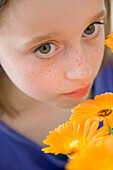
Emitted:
<point x="36" y="122"/>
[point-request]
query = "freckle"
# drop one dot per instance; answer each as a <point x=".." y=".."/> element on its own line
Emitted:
<point x="32" y="72"/>
<point x="78" y="62"/>
<point x="64" y="53"/>
<point x="50" y="73"/>
<point x="40" y="71"/>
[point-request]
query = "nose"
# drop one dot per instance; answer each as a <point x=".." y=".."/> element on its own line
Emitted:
<point x="78" y="67"/>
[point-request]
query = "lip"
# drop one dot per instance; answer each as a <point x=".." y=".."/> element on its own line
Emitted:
<point x="79" y="92"/>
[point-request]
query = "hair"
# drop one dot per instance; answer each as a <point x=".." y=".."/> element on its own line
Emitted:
<point x="5" y="107"/>
<point x="2" y="2"/>
<point x="107" y="31"/>
<point x="3" y="5"/>
<point x="108" y="17"/>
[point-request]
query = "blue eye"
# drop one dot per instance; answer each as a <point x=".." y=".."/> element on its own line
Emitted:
<point x="45" y="50"/>
<point x="91" y="30"/>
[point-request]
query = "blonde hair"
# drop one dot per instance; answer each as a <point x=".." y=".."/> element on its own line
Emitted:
<point x="4" y="105"/>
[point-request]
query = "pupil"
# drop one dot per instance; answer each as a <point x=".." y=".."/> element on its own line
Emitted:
<point x="44" y="49"/>
<point x="90" y="30"/>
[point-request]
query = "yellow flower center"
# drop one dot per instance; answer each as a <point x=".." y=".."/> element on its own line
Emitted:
<point x="75" y="145"/>
<point x="105" y="112"/>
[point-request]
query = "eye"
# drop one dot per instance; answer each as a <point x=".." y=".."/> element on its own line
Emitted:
<point x="92" y="30"/>
<point x="46" y="50"/>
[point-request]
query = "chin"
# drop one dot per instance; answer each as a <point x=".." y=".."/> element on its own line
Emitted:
<point x="70" y="104"/>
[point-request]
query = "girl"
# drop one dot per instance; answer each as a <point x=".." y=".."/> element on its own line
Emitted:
<point x="50" y="54"/>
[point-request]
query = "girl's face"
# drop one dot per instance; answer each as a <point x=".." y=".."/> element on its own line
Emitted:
<point x="52" y="50"/>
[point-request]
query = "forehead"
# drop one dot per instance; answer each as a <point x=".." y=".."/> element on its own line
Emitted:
<point x="30" y="16"/>
<point x="59" y="9"/>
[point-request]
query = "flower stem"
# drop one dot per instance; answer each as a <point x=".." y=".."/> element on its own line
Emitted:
<point x="70" y="155"/>
<point x="110" y="130"/>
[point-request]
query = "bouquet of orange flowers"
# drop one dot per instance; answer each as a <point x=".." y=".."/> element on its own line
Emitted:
<point x="87" y="146"/>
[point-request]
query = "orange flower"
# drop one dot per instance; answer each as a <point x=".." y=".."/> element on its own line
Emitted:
<point x="73" y="137"/>
<point x="101" y="108"/>
<point x="95" y="157"/>
<point x="109" y="41"/>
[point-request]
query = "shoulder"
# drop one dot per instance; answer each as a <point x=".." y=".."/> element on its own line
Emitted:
<point x="18" y="152"/>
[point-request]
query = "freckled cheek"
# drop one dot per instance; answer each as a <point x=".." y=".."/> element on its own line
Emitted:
<point x="33" y="77"/>
<point x="37" y="82"/>
<point x="96" y="56"/>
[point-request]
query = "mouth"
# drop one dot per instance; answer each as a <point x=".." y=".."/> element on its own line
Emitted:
<point x="78" y="93"/>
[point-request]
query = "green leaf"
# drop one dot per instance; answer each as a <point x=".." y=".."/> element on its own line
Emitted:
<point x="70" y="155"/>
<point x="110" y="130"/>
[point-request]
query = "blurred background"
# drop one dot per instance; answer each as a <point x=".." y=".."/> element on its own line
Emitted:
<point x="111" y="15"/>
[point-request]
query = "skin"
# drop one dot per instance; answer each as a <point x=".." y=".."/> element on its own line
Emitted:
<point x="36" y="83"/>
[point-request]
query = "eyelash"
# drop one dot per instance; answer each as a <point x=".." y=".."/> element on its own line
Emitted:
<point x="41" y="55"/>
<point x="94" y="34"/>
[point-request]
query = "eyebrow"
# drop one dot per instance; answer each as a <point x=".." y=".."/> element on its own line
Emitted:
<point x="42" y="37"/>
<point x="99" y="15"/>
<point x="48" y="36"/>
